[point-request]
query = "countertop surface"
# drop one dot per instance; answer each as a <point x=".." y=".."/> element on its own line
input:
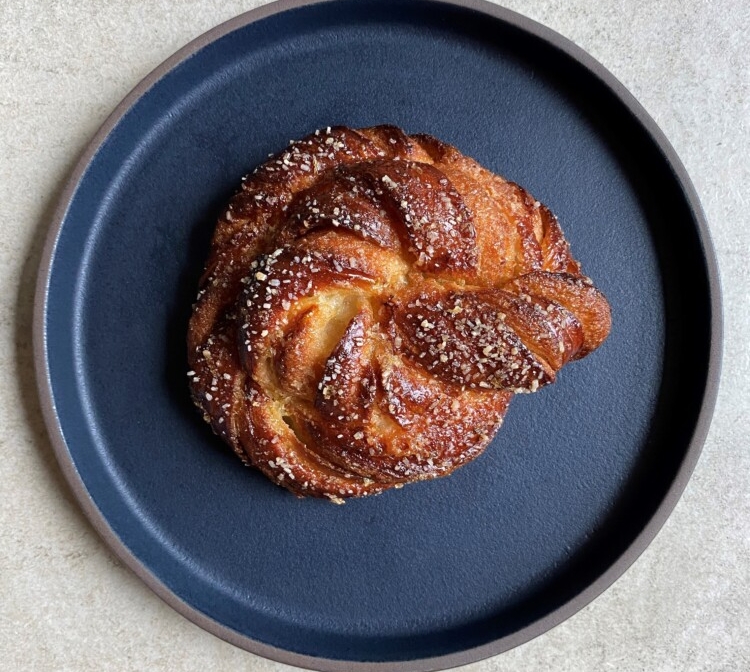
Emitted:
<point x="68" y="604"/>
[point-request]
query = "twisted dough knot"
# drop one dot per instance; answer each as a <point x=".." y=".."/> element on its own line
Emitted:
<point x="371" y="303"/>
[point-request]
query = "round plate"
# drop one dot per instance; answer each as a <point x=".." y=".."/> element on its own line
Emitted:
<point x="437" y="574"/>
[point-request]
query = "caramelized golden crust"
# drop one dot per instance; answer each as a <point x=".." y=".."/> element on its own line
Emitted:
<point x="371" y="302"/>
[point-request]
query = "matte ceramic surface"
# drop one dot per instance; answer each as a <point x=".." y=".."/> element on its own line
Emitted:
<point x="580" y="477"/>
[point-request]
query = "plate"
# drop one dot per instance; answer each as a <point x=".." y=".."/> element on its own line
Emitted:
<point x="438" y="574"/>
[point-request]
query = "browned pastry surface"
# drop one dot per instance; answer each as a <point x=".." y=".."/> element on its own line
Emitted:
<point x="371" y="303"/>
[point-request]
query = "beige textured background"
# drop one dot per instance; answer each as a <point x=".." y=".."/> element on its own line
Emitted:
<point x="67" y="604"/>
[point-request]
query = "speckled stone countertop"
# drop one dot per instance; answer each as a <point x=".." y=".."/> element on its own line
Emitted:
<point x="67" y="604"/>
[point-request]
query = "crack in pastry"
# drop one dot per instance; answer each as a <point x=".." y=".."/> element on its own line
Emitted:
<point x="371" y="302"/>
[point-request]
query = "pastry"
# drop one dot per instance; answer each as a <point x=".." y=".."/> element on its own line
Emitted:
<point x="371" y="303"/>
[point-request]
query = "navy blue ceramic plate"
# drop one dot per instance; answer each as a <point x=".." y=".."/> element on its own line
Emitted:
<point x="581" y="476"/>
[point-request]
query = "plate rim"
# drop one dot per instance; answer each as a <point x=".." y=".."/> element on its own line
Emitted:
<point x="642" y="540"/>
